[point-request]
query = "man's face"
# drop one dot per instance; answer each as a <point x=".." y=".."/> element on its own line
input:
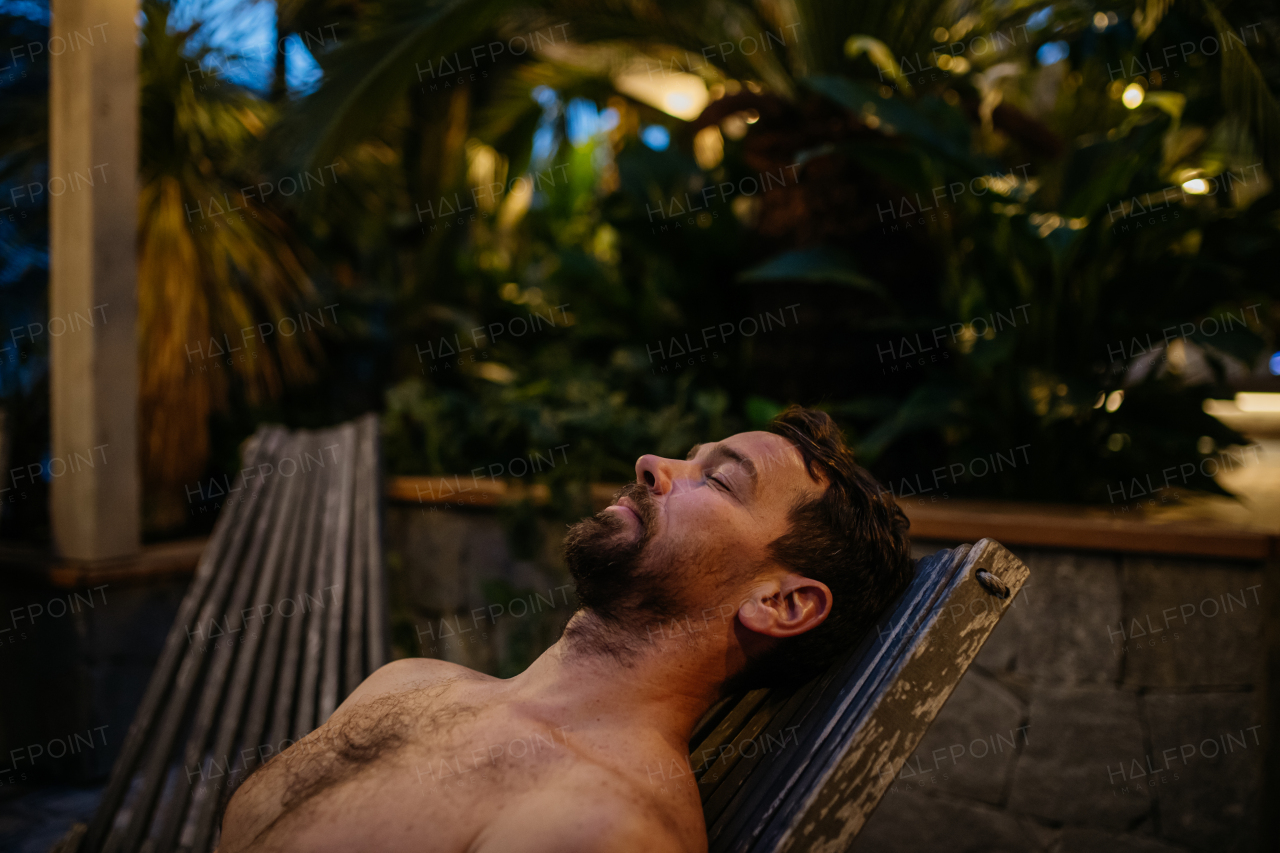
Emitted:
<point x="688" y="533"/>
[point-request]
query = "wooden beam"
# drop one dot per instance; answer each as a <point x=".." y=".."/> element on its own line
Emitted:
<point x="160" y="561"/>
<point x="1079" y="528"/>
<point x="95" y="503"/>
<point x="1082" y="529"/>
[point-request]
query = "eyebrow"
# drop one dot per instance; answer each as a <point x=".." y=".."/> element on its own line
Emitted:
<point x="726" y="452"/>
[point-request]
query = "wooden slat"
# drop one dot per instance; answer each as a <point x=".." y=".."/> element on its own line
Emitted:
<point x="161" y="740"/>
<point x="176" y="645"/>
<point x="710" y="720"/>
<point x="737" y="717"/>
<point x="307" y="579"/>
<point x="844" y="690"/>
<point x="378" y="622"/>
<point x="216" y="684"/>
<point x="319" y="531"/>
<point x="269" y="673"/>
<point x="719" y="794"/>
<point x="235" y="704"/>
<point x="339" y="545"/>
<point x="836" y="708"/>
<point x="903" y="633"/>
<point x="843" y="786"/>
<point x="713" y="775"/>
<point x="304" y="719"/>
<point x="354" y="600"/>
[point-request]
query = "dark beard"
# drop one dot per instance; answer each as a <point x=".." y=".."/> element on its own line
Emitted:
<point x="617" y="579"/>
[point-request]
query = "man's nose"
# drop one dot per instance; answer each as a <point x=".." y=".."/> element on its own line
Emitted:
<point x="657" y="473"/>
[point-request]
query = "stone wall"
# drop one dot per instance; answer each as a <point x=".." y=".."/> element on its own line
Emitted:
<point x="1116" y="707"/>
<point x="460" y="592"/>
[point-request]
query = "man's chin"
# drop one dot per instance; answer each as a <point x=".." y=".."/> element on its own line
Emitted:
<point x="603" y="555"/>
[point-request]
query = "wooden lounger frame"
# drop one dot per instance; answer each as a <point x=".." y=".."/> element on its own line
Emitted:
<point x="306" y="522"/>
<point x="804" y="769"/>
<point x="776" y="770"/>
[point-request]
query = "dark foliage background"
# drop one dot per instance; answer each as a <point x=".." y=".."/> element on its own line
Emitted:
<point x="853" y="107"/>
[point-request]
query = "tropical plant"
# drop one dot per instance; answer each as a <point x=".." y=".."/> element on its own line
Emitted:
<point x="214" y="259"/>
<point x="1051" y="118"/>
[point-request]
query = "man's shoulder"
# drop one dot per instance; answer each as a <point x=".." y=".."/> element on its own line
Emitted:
<point x="589" y="810"/>
<point x="411" y="674"/>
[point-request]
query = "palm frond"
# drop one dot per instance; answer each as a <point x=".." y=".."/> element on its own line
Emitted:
<point x="1245" y="92"/>
<point x="213" y="261"/>
<point x="372" y="71"/>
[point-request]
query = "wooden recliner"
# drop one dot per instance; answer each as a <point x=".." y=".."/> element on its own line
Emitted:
<point x="239" y="680"/>
<point x="804" y="769"/>
<point x="286" y="615"/>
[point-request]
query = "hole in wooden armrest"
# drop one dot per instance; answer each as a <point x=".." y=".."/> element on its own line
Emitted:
<point x="992" y="584"/>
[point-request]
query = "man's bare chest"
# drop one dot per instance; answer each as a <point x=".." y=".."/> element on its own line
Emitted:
<point x="394" y="767"/>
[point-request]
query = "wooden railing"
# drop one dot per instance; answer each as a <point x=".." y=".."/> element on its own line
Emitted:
<point x="1008" y="522"/>
<point x="1013" y="524"/>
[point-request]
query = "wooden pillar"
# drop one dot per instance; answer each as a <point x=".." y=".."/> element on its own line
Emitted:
<point x="93" y="156"/>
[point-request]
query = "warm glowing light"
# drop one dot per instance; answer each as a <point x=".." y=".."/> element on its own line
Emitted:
<point x="1133" y="96"/>
<point x="676" y="102"/>
<point x="681" y="95"/>
<point x="1114" y="399"/>
<point x="708" y="147"/>
<point x="1196" y="186"/>
<point x="735" y="126"/>
<point x="1257" y="401"/>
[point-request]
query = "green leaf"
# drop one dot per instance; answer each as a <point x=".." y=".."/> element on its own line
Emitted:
<point x="929" y="407"/>
<point x="879" y="54"/>
<point x="365" y="76"/>
<point x="897" y="117"/>
<point x="1245" y="92"/>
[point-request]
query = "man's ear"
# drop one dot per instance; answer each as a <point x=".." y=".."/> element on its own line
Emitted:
<point x="786" y="607"/>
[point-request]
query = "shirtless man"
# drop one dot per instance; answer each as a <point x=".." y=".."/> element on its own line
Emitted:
<point x="772" y="551"/>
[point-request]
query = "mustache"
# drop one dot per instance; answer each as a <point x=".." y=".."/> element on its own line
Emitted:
<point x="639" y="498"/>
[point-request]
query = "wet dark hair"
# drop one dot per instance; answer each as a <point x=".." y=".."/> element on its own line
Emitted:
<point x="853" y="538"/>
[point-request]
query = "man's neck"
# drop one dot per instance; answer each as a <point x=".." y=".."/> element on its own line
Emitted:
<point x="664" y="686"/>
